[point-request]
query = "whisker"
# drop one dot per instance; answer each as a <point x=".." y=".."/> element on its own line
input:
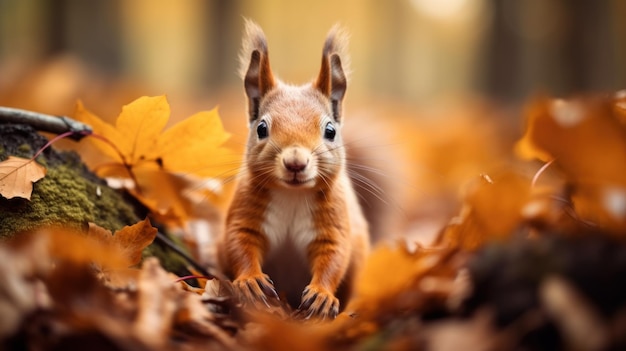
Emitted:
<point x="276" y="148"/>
<point x="263" y="176"/>
<point x="323" y="176"/>
<point x="366" y="184"/>
<point x="374" y="170"/>
<point x="352" y="144"/>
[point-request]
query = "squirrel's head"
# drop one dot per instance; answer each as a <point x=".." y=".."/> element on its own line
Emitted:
<point x="294" y="139"/>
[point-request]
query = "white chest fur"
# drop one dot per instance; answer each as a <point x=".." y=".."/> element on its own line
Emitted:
<point x="289" y="220"/>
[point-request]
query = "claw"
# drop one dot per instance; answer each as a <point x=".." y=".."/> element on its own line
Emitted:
<point x="318" y="302"/>
<point x="306" y="302"/>
<point x="254" y="289"/>
<point x="268" y="289"/>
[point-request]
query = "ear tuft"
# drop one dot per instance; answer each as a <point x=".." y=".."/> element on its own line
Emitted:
<point x="332" y="80"/>
<point x="253" y="40"/>
<point x="255" y="67"/>
<point x="337" y="41"/>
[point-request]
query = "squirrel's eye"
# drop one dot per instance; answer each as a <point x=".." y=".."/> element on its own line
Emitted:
<point x="330" y="132"/>
<point x="261" y="130"/>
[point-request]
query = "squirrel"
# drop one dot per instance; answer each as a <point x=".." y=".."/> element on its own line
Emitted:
<point x="294" y="226"/>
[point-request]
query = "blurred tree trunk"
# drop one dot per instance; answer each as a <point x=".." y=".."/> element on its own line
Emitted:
<point x="555" y="46"/>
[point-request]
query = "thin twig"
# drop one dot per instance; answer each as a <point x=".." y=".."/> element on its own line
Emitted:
<point x="45" y="123"/>
<point x="187" y="277"/>
<point x="162" y="238"/>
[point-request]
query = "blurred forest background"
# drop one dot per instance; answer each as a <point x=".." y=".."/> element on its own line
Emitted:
<point x="443" y="80"/>
<point x="411" y="50"/>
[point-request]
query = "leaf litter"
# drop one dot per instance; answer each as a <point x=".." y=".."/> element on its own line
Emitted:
<point x="534" y="260"/>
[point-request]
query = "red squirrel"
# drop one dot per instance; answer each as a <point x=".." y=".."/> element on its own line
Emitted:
<point x="295" y="226"/>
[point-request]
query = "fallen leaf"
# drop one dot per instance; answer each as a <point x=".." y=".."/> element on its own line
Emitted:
<point x="17" y="176"/>
<point x="133" y="239"/>
<point x="586" y="138"/>
<point x="583" y="135"/>
<point x="492" y="211"/>
<point x="377" y="291"/>
<point x="172" y="196"/>
<point x="160" y="163"/>
<point x="156" y="305"/>
<point x="129" y="241"/>
<point x="74" y="246"/>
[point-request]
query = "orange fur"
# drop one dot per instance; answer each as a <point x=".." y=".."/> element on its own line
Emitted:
<point x="295" y="225"/>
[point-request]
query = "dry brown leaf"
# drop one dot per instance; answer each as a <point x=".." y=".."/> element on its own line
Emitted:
<point x="492" y="210"/>
<point x="172" y="196"/>
<point x="586" y="138"/>
<point x="17" y="176"/>
<point x="129" y="241"/>
<point x="157" y="304"/>
<point x="379" y="292"/>
<point x="583" y="135"/>
<point x="73" y="246"/>
<point x="284" y="335"/>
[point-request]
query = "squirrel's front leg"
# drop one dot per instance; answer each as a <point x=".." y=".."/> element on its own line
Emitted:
<point x="245" y="251"/>
<point x="329" y="263"/>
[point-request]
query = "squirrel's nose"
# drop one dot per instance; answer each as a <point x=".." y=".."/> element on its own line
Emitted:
<point x="295" y="165"/>
<point x="296" y="159"/>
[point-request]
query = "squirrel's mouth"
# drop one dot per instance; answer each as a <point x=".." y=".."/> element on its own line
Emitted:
<point x="295" y="181"/>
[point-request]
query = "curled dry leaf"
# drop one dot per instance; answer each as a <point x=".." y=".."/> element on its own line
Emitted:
<point x="17" y="176"/>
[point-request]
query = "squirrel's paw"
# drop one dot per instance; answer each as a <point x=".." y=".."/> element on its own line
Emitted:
<point x="318" y="302"/>
<point x="251" y="289"/>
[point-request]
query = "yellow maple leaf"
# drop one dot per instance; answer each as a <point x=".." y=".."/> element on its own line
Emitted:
<point x="17" y="176"/>
<point x="156" y="165"/>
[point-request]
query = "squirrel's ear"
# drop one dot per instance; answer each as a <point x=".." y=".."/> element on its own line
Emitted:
<point x="332" y="80"/>
<point x="255" y="67"/>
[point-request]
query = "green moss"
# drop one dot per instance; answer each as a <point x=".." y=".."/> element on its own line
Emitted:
<point x="65" y="197"/>
<point x="24" y="150"/>
<point x="69" y="195"/>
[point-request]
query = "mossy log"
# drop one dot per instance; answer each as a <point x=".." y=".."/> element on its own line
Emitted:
<point x="69" y="194"/>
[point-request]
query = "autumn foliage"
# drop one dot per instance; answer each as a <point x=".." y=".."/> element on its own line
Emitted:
<point x="533" y="260"/>
<point x="165" y="170"/>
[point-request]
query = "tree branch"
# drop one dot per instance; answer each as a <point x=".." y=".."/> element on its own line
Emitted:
<point x="45" y="123"/>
